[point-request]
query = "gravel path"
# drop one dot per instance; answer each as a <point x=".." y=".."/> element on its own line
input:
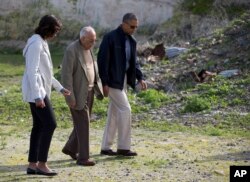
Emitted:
<point x="163" y="156"/>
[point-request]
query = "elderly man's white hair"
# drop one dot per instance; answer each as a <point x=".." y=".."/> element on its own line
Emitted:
<point x="85" y="30"/>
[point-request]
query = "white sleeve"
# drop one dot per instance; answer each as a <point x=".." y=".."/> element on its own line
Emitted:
<point x="56" y="84"/>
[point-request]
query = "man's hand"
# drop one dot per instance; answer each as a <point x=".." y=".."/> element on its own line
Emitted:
<point x="143" y="85"/>
<point x="105" y="91"/>
<point x="72" y="104"/>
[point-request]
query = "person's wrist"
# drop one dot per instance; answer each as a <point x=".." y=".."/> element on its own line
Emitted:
<point x="62" y="90"/>
<point x="38" y="99"/>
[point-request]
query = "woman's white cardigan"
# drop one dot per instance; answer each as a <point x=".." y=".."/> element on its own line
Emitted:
<point x="38" y="76"/>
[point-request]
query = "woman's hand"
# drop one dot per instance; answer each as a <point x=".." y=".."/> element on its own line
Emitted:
<point x="65" y="92"/>
<point x="40" y="103"/>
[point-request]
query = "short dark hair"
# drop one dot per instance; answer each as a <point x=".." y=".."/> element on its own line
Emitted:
<point x="129" y="16"/>
<point x="48" y="26"/>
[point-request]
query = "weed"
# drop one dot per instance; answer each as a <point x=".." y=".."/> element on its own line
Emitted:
<point x="200" y="7"/>
<point x="196" y="104"/>
<point x="213" y="131"/>
<point x="155" y="98"/>
<point x="100" y="107"/>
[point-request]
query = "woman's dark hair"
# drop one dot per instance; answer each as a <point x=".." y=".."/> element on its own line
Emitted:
<point x="48" y="26"/>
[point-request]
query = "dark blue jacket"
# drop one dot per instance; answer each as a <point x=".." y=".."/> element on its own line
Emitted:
<point x="111" y="60"/>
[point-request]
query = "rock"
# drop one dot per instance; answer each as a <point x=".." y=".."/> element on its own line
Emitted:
<point x="229" y="73"/>
<point x="172" y="52"/>
<point x="220" y="172"/>
<point x="159" y="51"/>
<point x="153" y="59"/>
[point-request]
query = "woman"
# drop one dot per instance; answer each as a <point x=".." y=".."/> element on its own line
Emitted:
<point x="36" y="88"/>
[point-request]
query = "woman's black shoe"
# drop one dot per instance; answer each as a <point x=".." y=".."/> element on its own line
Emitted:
<point x="40" y="172"/>
<point x="31" y="171"/>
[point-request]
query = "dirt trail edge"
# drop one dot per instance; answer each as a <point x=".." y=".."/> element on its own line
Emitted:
<point x="163" y="156"/>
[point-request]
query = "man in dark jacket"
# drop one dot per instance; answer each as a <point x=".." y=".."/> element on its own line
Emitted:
<point x="118" y="67"/>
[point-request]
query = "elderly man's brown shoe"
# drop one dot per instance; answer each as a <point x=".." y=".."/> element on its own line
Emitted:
<point x="67" y="152"/>
<point x="86" y="163"/>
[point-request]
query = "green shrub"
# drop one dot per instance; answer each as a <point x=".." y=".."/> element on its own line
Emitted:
<point x="154" y="97"/>
<point x="200" y="7"/>
<point x="196" y="104"/>
<point x="235" y="10"/>
<point x="237" y="101"/>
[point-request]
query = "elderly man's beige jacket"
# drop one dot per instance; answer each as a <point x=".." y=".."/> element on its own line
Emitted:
<point x="74" y="77"/>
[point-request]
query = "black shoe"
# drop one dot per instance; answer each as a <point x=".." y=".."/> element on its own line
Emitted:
<point x="108" y="152"/>
<point x="30" y="171"/>
<point x="67" y="152"/>
<point x="126" y="152"/>
<point x="40" y="172"/>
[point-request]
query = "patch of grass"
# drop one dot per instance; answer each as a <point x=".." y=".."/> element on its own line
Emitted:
<point x="13" y="109"/>
<point x="223" y="92"/>
<point x="213" y="131"/>
<point x="11" y="65"/>
<point x="230" y="126"/>
<point x="100" y="124"/>
<point x="193" y="50"/>
<point x="100" y="107"/>
<point x="187" y="85"/>
<point x="134" y="99"/>
<point x="199" y="7"/>
<point x="196" y="104"/>
<point x="237" y="101"/>
<point x="156" y="163"/>
<point x="235" y="121"/>
<point x="155" y="98"/>
<point x="3" y="142"/>
<point x="235" y="10"/>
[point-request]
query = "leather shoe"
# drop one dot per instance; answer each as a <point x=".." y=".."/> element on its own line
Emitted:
<point x="126" y="152"/>
<point x="31" y="171"/>
<point x="85" y="163"/>
<point x="67" y="152"/>
<point x="108" y="152"/>
<point x="40" y="172"/>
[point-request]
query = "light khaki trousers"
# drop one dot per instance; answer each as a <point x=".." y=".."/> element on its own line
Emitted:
<point x="119" y="120"/>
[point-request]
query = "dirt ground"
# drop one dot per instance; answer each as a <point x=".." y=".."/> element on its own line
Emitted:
<point x="163" y="156"/>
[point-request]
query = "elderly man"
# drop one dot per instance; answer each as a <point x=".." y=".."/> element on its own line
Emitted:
<point x="118" y="67"/>
<point x="80" y="76"/>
